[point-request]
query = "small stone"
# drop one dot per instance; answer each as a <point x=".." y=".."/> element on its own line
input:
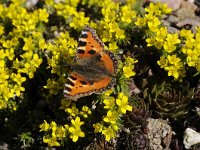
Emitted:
<point x="190" y="138"/>
<point x="188" y="21"/>
<point x="160" y="134"/>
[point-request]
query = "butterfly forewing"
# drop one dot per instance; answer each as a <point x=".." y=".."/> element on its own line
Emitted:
<point x="89" y="44"/>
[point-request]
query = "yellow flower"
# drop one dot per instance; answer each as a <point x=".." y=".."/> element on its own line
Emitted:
<point x="53" y="126"/>
<point x="2" y="104"/>
<point x="153" y="23"/>
<point x="111" y="117"/>
<point x="76" y="133"/>
<point x="173" y="71"/>
<point x="18" y="89"/>
<point x="150" y="41"/>
<point x="174" y="67"/>
<point x="51" y="141"/>
<point x="42" y="15"/>
<point x="66" y="127"/>
<point x="163" y="62"/>
<point x="169" y="46"/>
<point x="165" y="9"/>
<point x="127" y="14"/>
<point x="77" y="123"/>
<point x="122" y="102"/>
<point x="79" y="21"/>
<point x="28" y="44"/>
<point x="141" y="21"/>
<point x="128" y="71"/>
<point x="17" y="78"/>
<point x="158" y="9"/>
<point x="113" y="26"/>
<point x="10" y="53"/>
<point x="42" y="44"/>
<point x="108" y="92"/>
<point x="27" y="55"/>
<point x="190" y="43"/>
<point x="73" y="111"/>
<point x="173" y="38"/>
<point x="174" y="60"/>
<point x="1" y="29"/>
<point x="28" y="69"/>
<point x="120" y="34"/>
<point x="45" y="126"/>
<point x="98" y="127"/>
<point x="109" y="133"/>
<point x="152" y="7"/>
<point x="75" y="129"/>
<point x="109" y="102"/>
<point x="60" y="132"/>
<point x="161" y="34"/>
<point x="113" y="46"/>
<point x="53" y="86"/>
<point x="115" y="127"/>
<point x="129" y="66"/>
<point x="36" y="61"/>
<point x="186" y="33"/>
<point x="85" y="111"/>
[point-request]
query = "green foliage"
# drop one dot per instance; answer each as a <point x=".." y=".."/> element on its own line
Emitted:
<point x="26" y="139"/>
<point x="171" y="101"/>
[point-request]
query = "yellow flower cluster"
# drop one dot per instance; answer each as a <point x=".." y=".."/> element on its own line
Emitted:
<point x="55" y="135"/>
<point x="114" y="16"/>
<point x="153" y="12"/>
<point x="75" y="130"/>
<point x="20" y="49"/>
<point x="191" y="47"/>
<point x="163" y="40"/>
<point x="73" y="111"/>
<point x="115" y="109"/>
<point x="173" y="65"/>
<point x="68" y="9"/>
<point x="174" y="47"/>
<point x="63" y="48"/>
<point x="128" y="68"/>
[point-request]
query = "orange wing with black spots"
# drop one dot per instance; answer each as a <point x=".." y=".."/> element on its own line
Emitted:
<point x="94" y="69"/>
<point x="89" y="44"/>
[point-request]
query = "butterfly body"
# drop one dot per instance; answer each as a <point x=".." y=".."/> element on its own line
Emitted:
<point x="94" y="68"/>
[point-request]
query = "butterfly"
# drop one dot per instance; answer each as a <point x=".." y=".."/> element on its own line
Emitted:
<point x="94" y="68"/>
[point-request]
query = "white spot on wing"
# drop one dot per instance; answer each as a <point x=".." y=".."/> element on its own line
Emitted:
<point x="71" y="80"/>
<point x="65" y="91"/>
<point x="84" y="32"/>
<point x="67" y="85"/>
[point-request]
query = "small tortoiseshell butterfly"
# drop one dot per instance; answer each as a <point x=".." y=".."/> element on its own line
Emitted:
<point x="94" y="68"/>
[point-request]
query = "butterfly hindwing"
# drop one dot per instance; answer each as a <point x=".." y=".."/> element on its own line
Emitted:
<point x="76" y="86"/>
